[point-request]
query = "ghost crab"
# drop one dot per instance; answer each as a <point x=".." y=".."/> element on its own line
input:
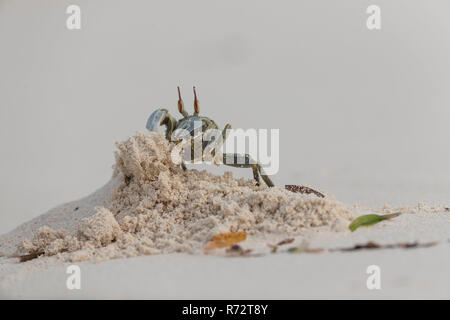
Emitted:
<point x="194" y="128"/>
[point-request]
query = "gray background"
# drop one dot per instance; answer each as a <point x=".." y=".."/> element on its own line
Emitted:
<point x="362" y="114"/>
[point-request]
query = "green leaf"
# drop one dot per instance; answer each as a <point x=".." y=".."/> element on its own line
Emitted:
<point x="370" y="219"/>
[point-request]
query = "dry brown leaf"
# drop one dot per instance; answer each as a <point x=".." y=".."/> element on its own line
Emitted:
<point x="286" y="241"/>
<point x="226" y="239"/>
<point x="29" y="257"/>
<point x="303" y="190"/>
<point x="283" y="242"/>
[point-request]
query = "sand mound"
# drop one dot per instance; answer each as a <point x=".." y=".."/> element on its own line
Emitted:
<point x="156" y="207"/>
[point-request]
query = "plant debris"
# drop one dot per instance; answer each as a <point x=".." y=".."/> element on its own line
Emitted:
<point x="30" y="256"/>
<point x="373" y="245"/>
<point x="370" y="219"/>
<point x="237" y="251"/>
<point x="304" y="248"/>
<point x="226" y="239"/>
<point x="286" y="241"/>
<point x="368" y="245"/>
<point x="303" y="190"/>
<point x="283" y="242"/>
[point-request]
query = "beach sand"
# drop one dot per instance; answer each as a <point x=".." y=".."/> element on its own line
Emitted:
<point x="127" y="250"/>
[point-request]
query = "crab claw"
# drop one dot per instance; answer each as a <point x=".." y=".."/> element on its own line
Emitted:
<point x="159" y="118"/>
<point x="189" y="134"/>
<point x="188" y="130"/>
<point x="156" y="119"/>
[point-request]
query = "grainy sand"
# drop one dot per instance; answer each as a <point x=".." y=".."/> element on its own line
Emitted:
<point x="152" y="206"/>
<point x="151" y="210"/>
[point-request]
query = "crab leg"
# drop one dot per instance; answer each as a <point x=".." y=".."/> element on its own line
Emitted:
<point x="246" y="161"/>
<point x="212" y="148"/>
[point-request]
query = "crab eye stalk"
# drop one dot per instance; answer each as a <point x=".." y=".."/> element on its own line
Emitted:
<point x="181" y="104"/>
<point x="196" y="104"/>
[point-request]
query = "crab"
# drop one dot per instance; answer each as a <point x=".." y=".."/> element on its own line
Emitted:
<point x="193" y="127"/>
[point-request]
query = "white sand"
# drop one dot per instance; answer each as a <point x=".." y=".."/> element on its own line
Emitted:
<point x="97" y="225"/>
<point x="420" y="273"/>
<point x="152" y="206"/>
<point x="412" y="273"/>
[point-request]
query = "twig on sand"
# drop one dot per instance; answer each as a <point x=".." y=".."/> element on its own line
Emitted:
<point x="373" y="245"/>
<point x="303" y="189"/>
<point x="29" y="257"/>
<point x="367" y="246"/>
